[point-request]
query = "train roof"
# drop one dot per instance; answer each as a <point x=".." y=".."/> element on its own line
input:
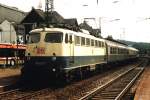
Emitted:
<point x="82" y="34"/>
<point x="132" y="48"/>
<point x="115" y="44"/>
<point x="115" y="41"/>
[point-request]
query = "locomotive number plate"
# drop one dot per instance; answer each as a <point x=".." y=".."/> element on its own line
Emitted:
<point x="40" y="50"/>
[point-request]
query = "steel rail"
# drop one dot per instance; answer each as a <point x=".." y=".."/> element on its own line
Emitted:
<point x="129" y="85"/>
<point x="90" y="94"/>
<point x="95" y="91"/>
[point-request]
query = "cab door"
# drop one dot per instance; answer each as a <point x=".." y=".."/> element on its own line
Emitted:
<point x="71" y="47"/>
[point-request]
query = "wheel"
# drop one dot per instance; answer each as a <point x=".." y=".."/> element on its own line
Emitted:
<point x="12" y="63"/>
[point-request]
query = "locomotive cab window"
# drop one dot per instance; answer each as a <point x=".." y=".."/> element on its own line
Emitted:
<point x="34" y="38"/>
<point x="54" y="37"/>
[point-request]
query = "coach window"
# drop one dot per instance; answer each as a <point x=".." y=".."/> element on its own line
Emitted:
<point x="99" y="43"/>
<point x="102" y="44"/>
<point x="127" y="51"/>
<point x="82" y="41"/>
<point x="95" y="43"/>
<point x="111" y="50"/>
<point x="87" y="41"/>
<point x="115" y="50"/>
<point x="92" y="42"/>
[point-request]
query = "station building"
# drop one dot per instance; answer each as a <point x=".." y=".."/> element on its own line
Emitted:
<point x="10" y="28"/>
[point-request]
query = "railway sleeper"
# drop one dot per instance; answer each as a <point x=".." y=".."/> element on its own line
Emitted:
<point x="110" y="92"/>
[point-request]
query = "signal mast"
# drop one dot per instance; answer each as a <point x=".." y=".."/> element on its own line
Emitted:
<point x="49" y="8"/>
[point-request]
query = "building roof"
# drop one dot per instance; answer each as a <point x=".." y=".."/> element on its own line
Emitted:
<point x="35" y="15"/>
<point x="11" y="8"/>
<point x="12" y="14"/>
<point x="38" y="15"/>
<point x="94" y="32"/>
<point x="71" y="21"/>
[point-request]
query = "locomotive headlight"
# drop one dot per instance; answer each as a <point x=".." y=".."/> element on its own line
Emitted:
<point x="53" y="69"/>
<point x="54" y="58"/>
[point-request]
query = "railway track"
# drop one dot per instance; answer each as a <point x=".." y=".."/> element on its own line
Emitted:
<point x="57" y="94"/>
<point x="13" y="94"/>
<point x="19" y="94"/>
<point x="76" y="91"/>
<point x="116" y="88"/>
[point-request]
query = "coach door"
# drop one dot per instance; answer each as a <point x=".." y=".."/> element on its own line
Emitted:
<point x="106" y="56"/>
<point x="71" y="47"/>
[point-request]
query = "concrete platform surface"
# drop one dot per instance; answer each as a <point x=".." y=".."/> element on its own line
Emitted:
<point x="143" y="90"/>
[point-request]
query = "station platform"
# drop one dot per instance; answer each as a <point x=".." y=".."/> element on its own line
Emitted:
<point x="143" y="90"/>
<point x="8" y="76"/>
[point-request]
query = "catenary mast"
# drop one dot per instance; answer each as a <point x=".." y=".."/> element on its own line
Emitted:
<point x="49" y="8"/>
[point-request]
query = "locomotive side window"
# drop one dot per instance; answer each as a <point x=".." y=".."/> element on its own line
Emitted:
<point x="92" y="42"/>
<point x="99" y="43"/>
<point x="54" y="37"/>
<point x="96" y="43"/>
<point x="77" y="40"/>
<point x="87" y="41"/>
<point x="82" y="41"/>
<point x="66" y="38"/>
<point x="34" y="38"/>
<point x="70" y="38"/>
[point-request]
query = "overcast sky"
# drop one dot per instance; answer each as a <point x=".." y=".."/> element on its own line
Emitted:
<point x="123" y="19"/>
